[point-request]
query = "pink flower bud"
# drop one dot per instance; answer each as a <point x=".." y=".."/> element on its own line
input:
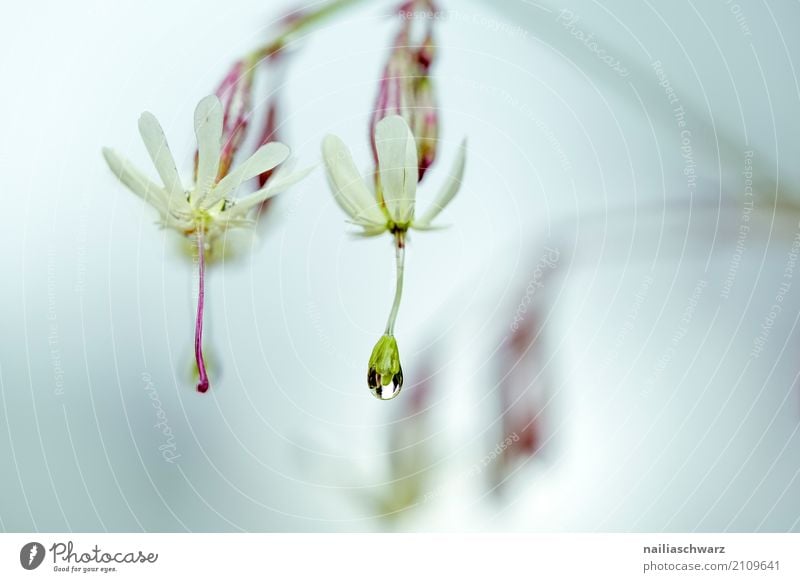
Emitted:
<point x="406" y="88"/>
<point x="235" y="93"/>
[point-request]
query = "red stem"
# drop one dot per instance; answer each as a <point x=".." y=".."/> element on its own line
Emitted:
<point x="202" y="385"/>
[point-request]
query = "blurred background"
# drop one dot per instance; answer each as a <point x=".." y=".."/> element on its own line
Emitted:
<point x="604" y="339"/>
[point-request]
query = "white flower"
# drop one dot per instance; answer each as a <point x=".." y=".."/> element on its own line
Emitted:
<point x="208" y="207"/>
<point x="391" y="208"/>
<point x="207" y="210"/>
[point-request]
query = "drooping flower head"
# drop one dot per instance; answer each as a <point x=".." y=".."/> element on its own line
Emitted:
<point x="387" y="204"/>
<point x="207" y="209"/>
<point x="209" y="205"/>
<point x="392" y="205"/>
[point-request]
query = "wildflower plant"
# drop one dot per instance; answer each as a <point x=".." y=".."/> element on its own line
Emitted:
<point x="404" y="131"/>
<point x="387" y="204"/>
<point x="208" y="209"/>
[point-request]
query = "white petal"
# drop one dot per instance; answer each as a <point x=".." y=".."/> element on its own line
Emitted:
<point x="450" y="189"/>
<point x="348" y="187"/>
<point x="287" y="176"/>
<point x="208" y="128"/>
<point x="156" y="144"/>
<point x="265" y="158"/>
<point x="397" y="160"/>
<point x="279" y="182"/>
<point x="137" y="182"/>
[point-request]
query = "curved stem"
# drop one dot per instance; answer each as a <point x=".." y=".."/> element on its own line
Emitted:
<point x="298" y="24"/>
<point x="202" y="384"/>
<point x="400" y="256"/>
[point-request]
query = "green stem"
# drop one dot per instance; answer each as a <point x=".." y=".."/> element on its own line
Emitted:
<point x="305" y="20"/>
<point x="400" y="257"/>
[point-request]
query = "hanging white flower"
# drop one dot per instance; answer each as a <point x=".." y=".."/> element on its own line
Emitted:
<point x="391" y="208"/>
<point x="392" y="205"/>
<point x="208" y="207"/>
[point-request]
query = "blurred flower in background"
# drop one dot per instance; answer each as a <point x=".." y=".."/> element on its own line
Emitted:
<point x="522" y="399"/>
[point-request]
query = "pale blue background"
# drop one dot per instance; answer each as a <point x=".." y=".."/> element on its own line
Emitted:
<point x="289" y="437"/>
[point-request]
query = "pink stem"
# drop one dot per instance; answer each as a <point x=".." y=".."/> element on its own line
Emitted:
<point x="202" y="385"/>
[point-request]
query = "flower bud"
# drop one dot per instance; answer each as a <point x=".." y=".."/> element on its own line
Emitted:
<point x="236" y="95"/>
<point x="235" y="92"/>
<point x="384" y="369"/>
<point x="406" y="88"/>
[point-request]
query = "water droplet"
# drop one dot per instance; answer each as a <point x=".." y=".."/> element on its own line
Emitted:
<point x="384" y="388"/>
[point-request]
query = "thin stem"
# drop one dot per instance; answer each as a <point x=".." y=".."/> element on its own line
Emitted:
<point x="400" y="257"/>
<point x="202" y="384"/>
<point x="304" y="20"/>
